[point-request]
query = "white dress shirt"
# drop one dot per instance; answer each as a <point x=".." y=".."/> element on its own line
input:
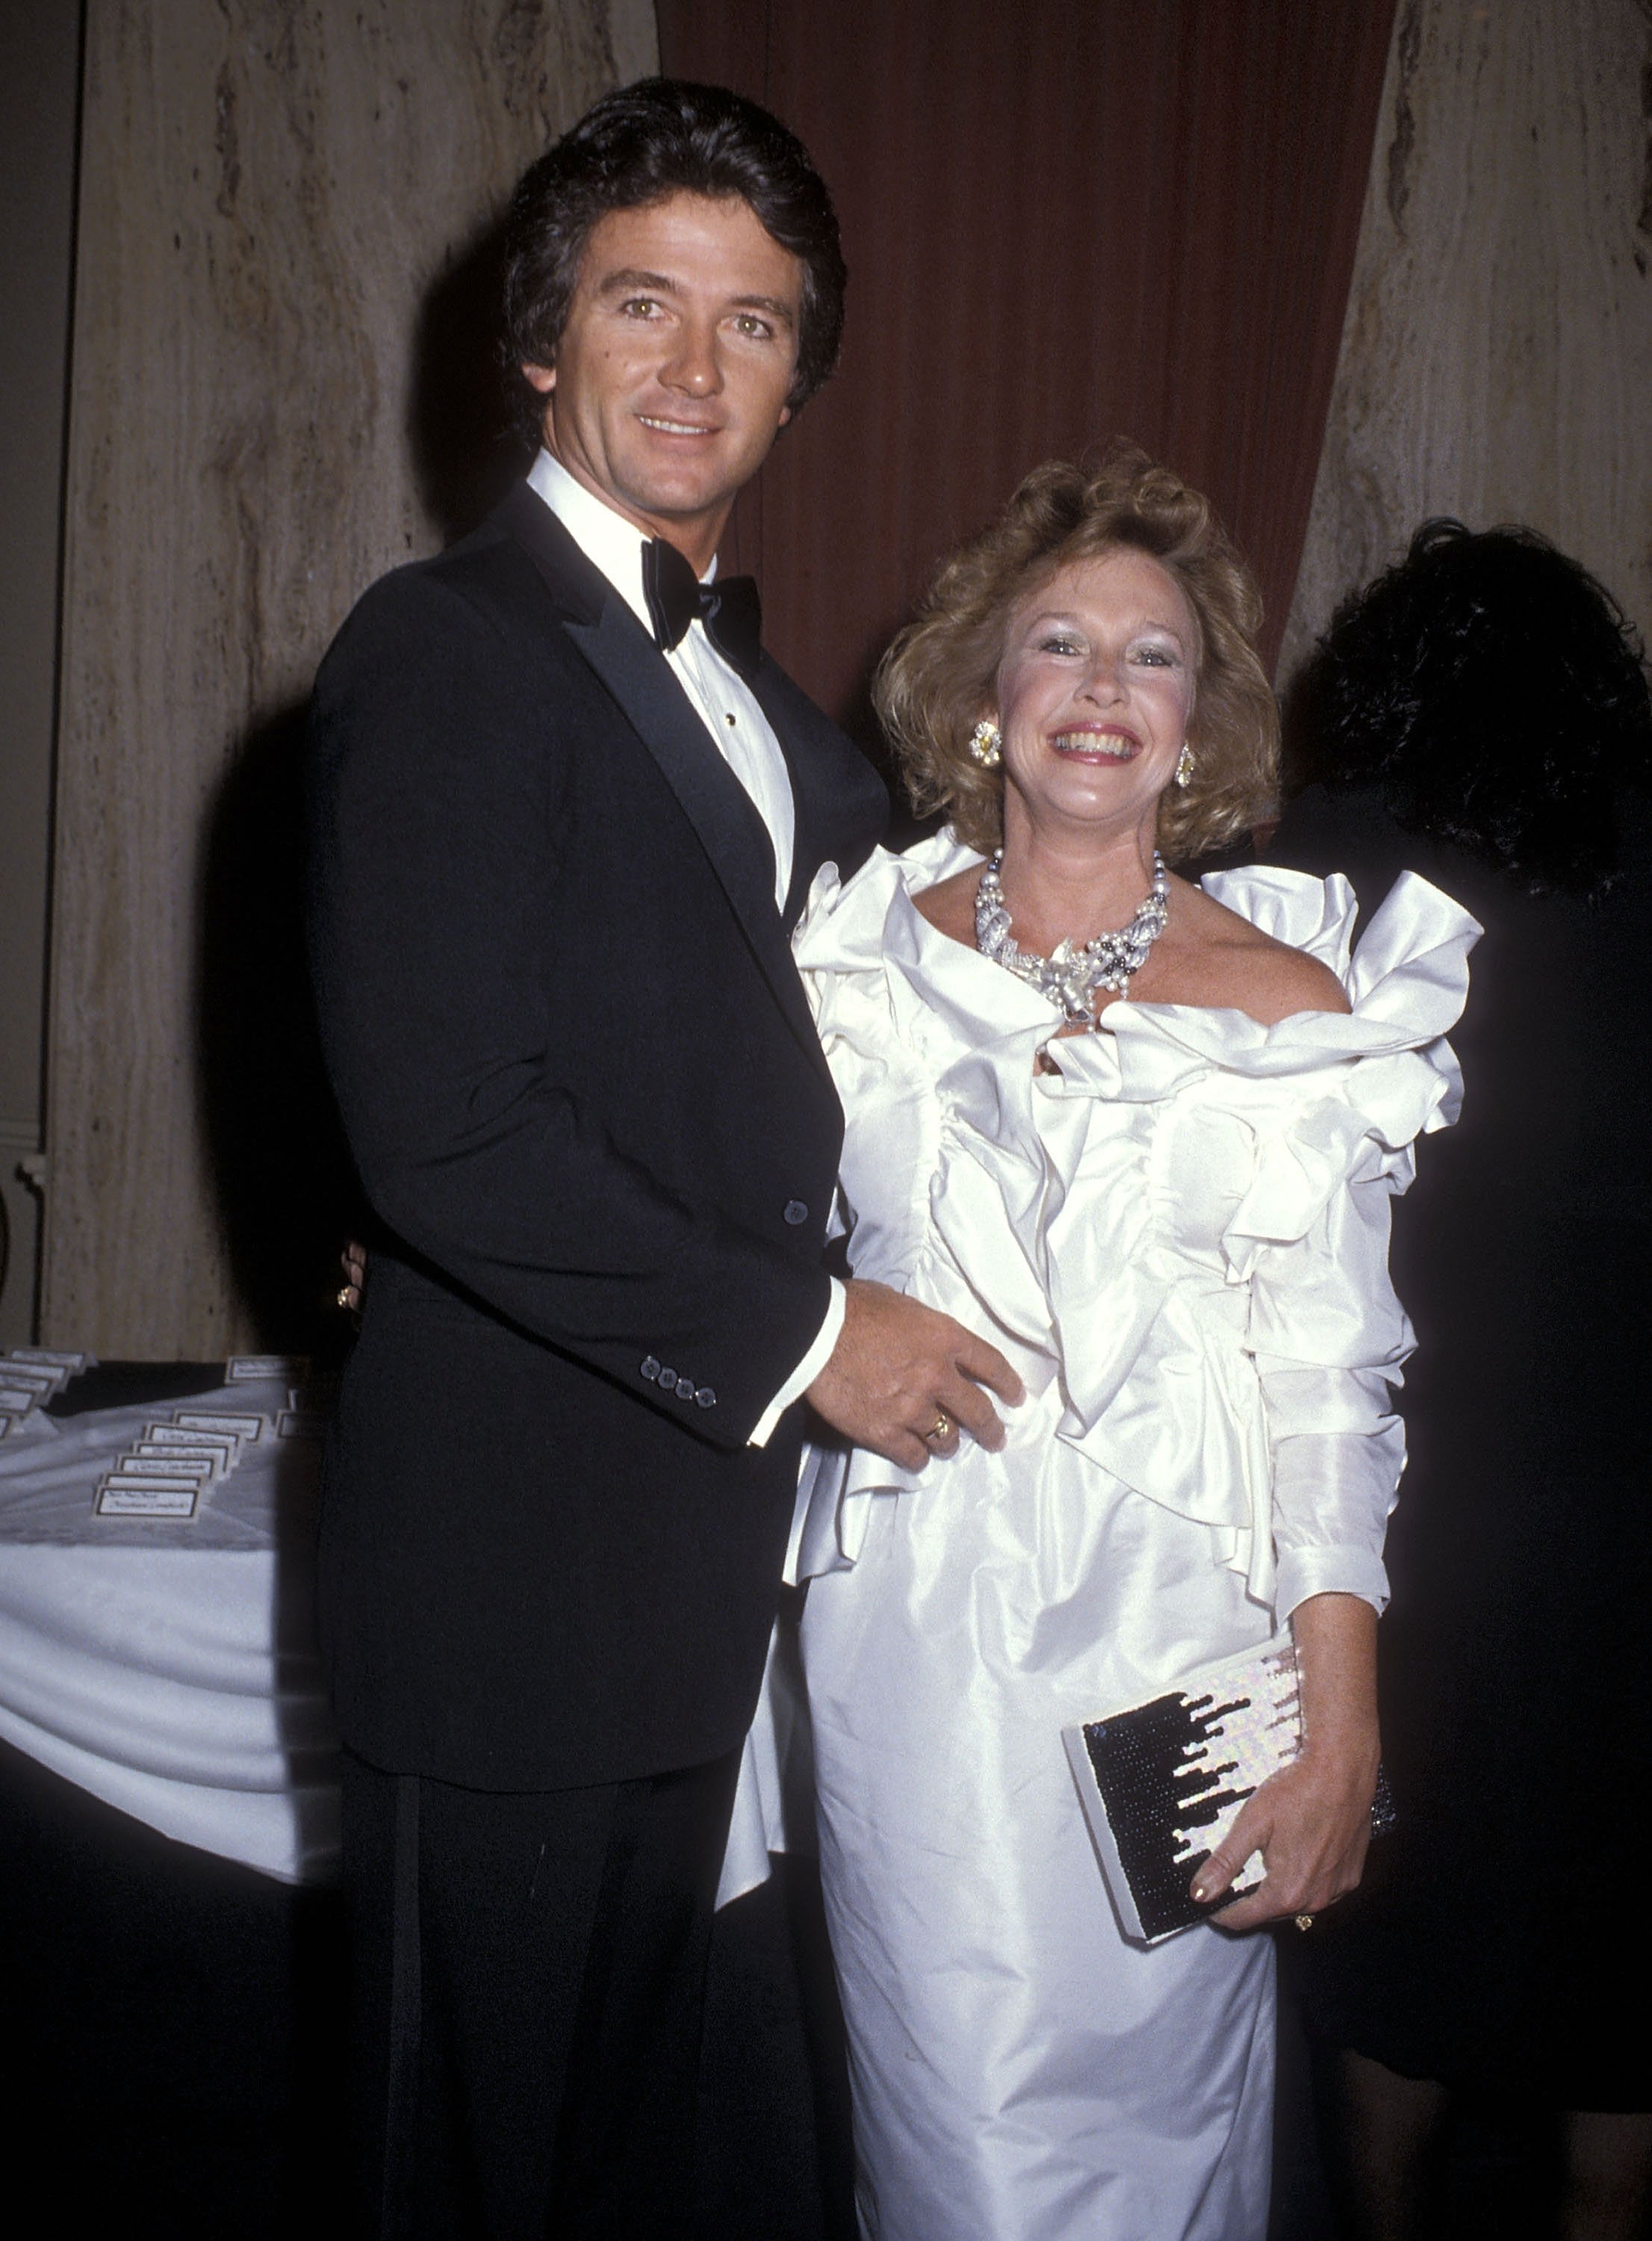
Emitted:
<point x="743" y="736"/>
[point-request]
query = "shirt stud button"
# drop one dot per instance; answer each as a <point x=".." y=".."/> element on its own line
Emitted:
<point x="684" y="1388"/>
<point x="705" y="1398"/>
<point x="651" y="1367"/>
<point x="668" y="1379"/>
<point x="796" y="1212"/>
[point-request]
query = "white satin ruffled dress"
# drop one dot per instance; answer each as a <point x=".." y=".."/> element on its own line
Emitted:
<point x="1179" y="1241"/>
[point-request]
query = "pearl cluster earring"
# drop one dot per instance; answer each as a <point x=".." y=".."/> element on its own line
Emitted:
<point x="985" y="744"/>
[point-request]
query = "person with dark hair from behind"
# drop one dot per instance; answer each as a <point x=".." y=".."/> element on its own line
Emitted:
<point x="1480" y="715"/>
<point x="565" y="813"/>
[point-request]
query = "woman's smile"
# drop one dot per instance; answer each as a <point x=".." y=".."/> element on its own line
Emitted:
<point x="1093" y="745"/>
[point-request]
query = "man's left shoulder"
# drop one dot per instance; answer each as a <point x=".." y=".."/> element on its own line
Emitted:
<point x="836" y="782"/>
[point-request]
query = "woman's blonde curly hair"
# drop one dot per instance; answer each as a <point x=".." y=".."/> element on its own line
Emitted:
<point x="938" y="678"/>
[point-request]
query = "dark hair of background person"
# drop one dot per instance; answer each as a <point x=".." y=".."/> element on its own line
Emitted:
<point x="664" y="136"/>
<point x="940" y="675"/>
<point x="1491" y="692"/>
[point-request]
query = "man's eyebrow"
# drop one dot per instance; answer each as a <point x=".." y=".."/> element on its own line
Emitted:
<point x="631" y="276"/>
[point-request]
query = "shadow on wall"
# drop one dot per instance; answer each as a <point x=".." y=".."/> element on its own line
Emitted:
<point x="286" y="1191"/>
<point x="465" y="448"/>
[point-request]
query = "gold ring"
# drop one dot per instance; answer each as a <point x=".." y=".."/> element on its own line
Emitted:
<point x="1304" y="1921"/>
<point x="941" y="1426"/>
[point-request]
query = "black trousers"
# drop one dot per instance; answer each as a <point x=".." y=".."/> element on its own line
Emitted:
<point x="529" y="1972"/>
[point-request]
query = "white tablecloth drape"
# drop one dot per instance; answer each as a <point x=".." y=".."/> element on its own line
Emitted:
<point x="169" y="1666"/>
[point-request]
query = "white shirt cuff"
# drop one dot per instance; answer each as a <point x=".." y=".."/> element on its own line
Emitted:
<point x="807" y="1370"/>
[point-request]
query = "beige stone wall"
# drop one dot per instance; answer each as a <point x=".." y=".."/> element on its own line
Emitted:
<point x="269" y="192"/>
<point x="38" y="82"/>
<point x="1497" y="360"/>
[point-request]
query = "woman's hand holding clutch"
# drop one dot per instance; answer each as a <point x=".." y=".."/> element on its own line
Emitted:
<point x="1312" y="1821"/>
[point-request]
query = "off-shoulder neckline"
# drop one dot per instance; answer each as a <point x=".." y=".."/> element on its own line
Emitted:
<point x="1405" y="981"/>
<point x="958" y="858"/>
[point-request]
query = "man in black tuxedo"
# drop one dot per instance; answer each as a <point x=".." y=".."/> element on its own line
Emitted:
<point x="564" y="815"/>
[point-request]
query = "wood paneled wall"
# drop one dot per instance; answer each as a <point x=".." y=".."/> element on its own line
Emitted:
<point x="1496" y="358"/>
<point x="280" y="211"/>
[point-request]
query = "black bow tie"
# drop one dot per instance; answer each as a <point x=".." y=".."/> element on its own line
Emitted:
<point x="728" y="606"/>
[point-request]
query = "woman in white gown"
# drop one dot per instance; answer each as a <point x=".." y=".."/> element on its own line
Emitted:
<point x="1171" y="1214"/>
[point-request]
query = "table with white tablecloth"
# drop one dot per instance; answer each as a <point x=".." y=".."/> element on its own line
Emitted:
<point x="167" y="1664"/>
<point x="168" y="1828"/>
<point x="175" y="1956"/>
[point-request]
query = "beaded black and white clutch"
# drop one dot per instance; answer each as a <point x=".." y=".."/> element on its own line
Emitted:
<point x="1163" y="1781"/>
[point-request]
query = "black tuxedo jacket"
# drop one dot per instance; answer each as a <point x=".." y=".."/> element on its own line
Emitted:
<point x="587" y="1105"/>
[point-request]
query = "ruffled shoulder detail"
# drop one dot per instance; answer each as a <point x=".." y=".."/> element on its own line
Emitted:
<point x="1407" y="983"/>
<point x="1260" y="1133"/>
<point x="842" y="926"/>
<point x="880" y="977"/>
<point x="1377" y="1076"/>
<point x="1123" y="1224"/>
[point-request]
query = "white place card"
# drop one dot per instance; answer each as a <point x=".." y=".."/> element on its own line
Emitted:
<point x="135" y="1464"/>
<point x="267" y="1369"/>
<point x="36" y="1374"/>
<point x="50" y="1358"/>
<point x="166" y="1438"/>
<point x="120" y="1494"/>
<point x="18" y="1399"/>
<point x="195" y="1462"/>
<point x="218" y="1420"/>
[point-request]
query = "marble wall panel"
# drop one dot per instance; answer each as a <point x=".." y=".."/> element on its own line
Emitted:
<point x="1496" y="358"/>
<point x="39" y="83"/>
<point x="279" y="205"/>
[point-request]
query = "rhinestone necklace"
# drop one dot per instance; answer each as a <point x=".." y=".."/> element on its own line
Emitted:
<point x="1070" y="977"/>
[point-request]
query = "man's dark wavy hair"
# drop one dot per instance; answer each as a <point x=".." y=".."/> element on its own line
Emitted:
<point x="1491" y="691"/>
<point x="664" y="136"/>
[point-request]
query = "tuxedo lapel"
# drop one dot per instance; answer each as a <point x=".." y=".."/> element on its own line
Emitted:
<point x="638" y="677"/>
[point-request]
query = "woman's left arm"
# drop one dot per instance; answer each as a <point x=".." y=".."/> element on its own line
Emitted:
<point x="1326" y="1334"/>
<point x="1329" y="1338"/>
<point x="1312" y="1823"/>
